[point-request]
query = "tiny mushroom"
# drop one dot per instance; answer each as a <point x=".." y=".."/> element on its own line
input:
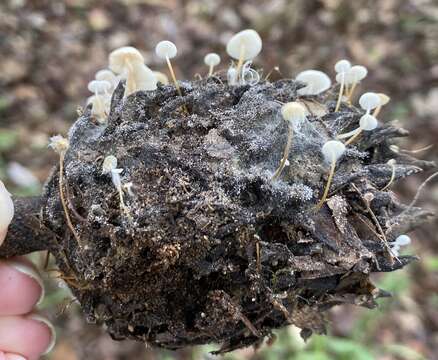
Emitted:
<point x="211" y="60"/>
<point x="384" y="99"/>
<point x="108" y="75"/>
<point x="402" y="240"/>
<point x="367" y="122"/>
<point x="391" y="163"/>
<point x="332" y="150"/>
<point x="341" y="67"/>
<point x="354" y="76"/>
<point x="316" y="82"/>
<point x="291" y="112"/>
<point x="109" y="167"/>
<point x="101" y="99"/>
<point x="127" y="61"/>
<point x="244" y="46"/>
<point x="167" y="50"/>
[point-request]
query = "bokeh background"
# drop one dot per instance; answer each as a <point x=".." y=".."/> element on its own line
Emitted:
<point x="50" y="50"/>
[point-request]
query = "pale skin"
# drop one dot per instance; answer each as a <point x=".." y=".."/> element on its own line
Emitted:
<point x="21" y="337"/>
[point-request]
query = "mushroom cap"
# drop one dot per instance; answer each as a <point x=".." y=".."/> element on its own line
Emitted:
<point x="342" y="66"/>
<point x="107" y="75"/>
<point x="356" y="74"/>
<point x="403" y="240"/>
<point x="251" y="42"/>
<point x="212" y="59"/>
<point x="109" y="164"/>
<point x="166" y="49"/>
<point x="369" y="101"/>
<point x="145" y="78"/>
<point x="332" y="150"/>
<point x="59" y="144"/>
<point x="384" y="99"/>
<point x="6" y="208"/>
<point x="121" y="57"/>
<point x="293" y="111"/>
<point x="99" y="86"/>
<point x="368" y="122"/>
<point x="316" y="82"/>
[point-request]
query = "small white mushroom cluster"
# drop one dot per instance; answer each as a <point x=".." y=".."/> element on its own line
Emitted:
<point x="400" y="241"/>
<point x="125" y="63"/>
<point x="348" y="77"/>
<point x="368" y="122"/>
<point x="243" y="47"/>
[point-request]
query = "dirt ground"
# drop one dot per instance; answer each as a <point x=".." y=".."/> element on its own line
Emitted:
<point x="51" y="49"/>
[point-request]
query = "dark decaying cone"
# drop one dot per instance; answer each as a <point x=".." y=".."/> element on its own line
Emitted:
<point x="213" y="250"/>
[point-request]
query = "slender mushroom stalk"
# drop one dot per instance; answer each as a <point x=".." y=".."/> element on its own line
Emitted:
<point x="332" y="150"/>
<point x="316" y="82"/>
<point x="341" y="67"/>
<point x="167" y="50"/>
<point x="384" y="99"/>
<point x="354" y="76"/>
<point x="392" y="163"/>
<point x="244" y="46"/>
<point x="126" y="61"/>
<point x="211" y="60"/>
<point x="60" y="145"/>
<point x="291" y="112"/>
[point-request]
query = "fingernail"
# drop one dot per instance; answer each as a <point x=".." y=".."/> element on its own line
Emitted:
<point x="32" y="273"/>
<point x="14" y="357"/>
<point x="52" y="330"/>
<point x="6" y="208"/>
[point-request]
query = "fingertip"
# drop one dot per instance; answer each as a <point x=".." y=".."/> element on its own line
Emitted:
<point x="42" y="320"/>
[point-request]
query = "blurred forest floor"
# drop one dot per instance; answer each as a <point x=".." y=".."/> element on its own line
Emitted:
<point x="51" y="49"/>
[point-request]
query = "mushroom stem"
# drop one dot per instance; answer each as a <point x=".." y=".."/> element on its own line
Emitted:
<point x="377" y="110"/>
<point x="354" y="137"/>
<point x="327" y="186"/>
<point x="391" y="180"/>
<point x="341" y="90"/>
<point x="351" y="92"/>
<point x="241" y="59"/>
<point x="172" y="74"/>
<point x="285" y="154"/>
<point x="62" y="198"/>
<point x="210" y="70"/>
<point x="131" y="85"/>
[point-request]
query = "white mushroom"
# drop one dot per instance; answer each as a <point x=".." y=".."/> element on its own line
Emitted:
<point x="292" y="112"/>
<point x="332" y="150"/>
<point x="108" y="75"/>
<point x="354" y="76"/>
<point x="101" y="99"/>
<point x="316" y="82"/>
<point x="126" y="61"/>
<point x="384" y="99"/>
<point x="341" y="67"/>
<point x="211" y="60"/>
<point x="244" y="46"/>
<point x="167" y="50"/>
